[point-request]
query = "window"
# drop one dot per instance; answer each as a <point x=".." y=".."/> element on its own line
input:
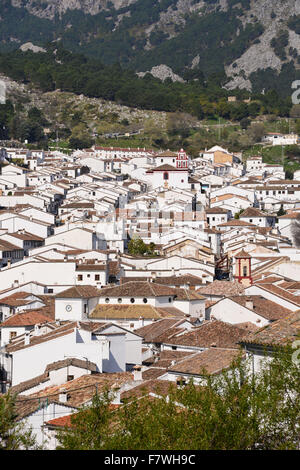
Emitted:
<point x="132" y="300"/>
<point x="145" y="300"/>
<point x="12" y="335"/>
<point x="79" y="277"/>
<point x="120" y="300"/>
<point x="107" y="300"/>
<point x="170" y="299"/>
<point x="70" y="377"/>
<point x="245" y="271"/>
<point x="166" y="175"/>
<point x="97" y="277"/>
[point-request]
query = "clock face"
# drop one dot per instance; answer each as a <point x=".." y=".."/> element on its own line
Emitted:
<point x="68" y="308"/>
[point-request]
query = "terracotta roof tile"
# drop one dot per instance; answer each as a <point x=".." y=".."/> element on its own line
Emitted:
<point x="157" y="328"/>
<point x="279" y="333"/>
<point x="28" y="318"/>
<point x="138" y="289"/>
<point x="212" y="333"/>
<point x="211" y="361"/>
<point x="262" y="306"/>
<point x="222" y="288"/>
<point x="79" y="391"/>
<point x="78" y="292"/>
<point x="132" y="311"/>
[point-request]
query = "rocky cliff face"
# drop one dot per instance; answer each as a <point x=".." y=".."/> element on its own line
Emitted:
<point x="149" y="34"/>
<point x="274" y="17"/>
<point x="49" y="8"/>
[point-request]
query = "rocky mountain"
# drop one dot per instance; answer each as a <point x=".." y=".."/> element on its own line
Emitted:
<point x="252" y="44"/>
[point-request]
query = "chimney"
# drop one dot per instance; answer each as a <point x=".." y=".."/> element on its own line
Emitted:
<point x="9" y="263"/>
<point x="180" y="381"/>
<point x="137" y="373"/>
<point x="249" y="304"/>
<point x="63" y="397"/>
<point x="27" y="338"/>
<point x="116" y="395"/>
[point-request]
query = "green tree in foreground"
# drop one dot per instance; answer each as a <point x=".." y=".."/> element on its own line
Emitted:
<point x="281" y="211"/>
<point x="137" y="246"/>
<point x="232" y="411"/>
<point x="13" y="434"/>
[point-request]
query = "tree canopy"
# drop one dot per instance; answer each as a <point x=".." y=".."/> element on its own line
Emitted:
<point x="232" y="411"/>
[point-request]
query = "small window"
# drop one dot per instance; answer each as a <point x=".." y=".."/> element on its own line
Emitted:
<point x="107" y="300"/>
<point x="132" y="300"/>
<point x="70" y="377"/>
<point x="79" y="277"/>
<point x="97" y="277"/>
<point x="166" y="176"/>
<point x="12" y="335"/>
<point x="245" y="271"/>
<point x="145" y="300"/>
<point x="120" y="300"/>
<point x="170" y="299"/>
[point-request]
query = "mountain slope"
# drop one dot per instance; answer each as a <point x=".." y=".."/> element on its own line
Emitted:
<point x="252" y="44"/>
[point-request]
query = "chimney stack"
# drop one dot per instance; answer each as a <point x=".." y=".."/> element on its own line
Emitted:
<point x="116" y="395"/>
<point x="180" y="381"/>
<point x="137" y="373"/>
<point x="27" y="338"/>
<point x="249" y="304"/>
<point x="63" y="397"/>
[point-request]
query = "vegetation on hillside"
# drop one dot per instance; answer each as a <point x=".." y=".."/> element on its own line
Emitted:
<point x="120" y="36"/>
